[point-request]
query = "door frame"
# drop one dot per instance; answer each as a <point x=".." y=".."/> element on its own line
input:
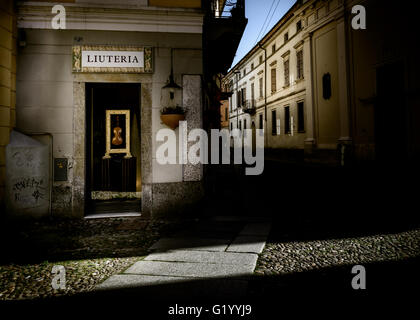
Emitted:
<point x="78" y="169"/>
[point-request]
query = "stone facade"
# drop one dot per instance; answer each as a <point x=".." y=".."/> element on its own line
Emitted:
<point x="354" y="123"/>
<point x="280" y="78"/>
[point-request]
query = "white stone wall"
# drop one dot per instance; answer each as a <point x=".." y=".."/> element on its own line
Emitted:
<point x="46" y="85"/>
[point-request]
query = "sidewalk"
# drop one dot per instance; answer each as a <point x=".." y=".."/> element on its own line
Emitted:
<point x="223" y="250"/>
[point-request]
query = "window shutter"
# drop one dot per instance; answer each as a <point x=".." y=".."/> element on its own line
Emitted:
<point x="286" y="73"/>
<point x="273" y="80"/>
<point x="299" y="59"/>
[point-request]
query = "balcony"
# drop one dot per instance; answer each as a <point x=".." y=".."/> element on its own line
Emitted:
<point x="224" y="26"/>
<point x="250" y="107"/>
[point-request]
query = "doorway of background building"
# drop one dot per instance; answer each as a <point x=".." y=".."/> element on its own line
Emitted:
<point x="113" y="180"/>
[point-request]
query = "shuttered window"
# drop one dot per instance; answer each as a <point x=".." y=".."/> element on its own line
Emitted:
<point x="273" y="80"/>
<point x="238" y="99"/>
<point x="299" y="59"/>
<point x="286" y="73"/>
<point x="243" y="97"/>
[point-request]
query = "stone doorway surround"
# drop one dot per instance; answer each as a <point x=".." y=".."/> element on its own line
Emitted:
<point x="79" y="136"/>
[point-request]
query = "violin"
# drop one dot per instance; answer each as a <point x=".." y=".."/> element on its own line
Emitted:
<point x="117" y="139"/>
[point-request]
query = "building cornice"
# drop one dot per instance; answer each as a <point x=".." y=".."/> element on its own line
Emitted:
<point x="286" y="54"/>
<point x="38" y="16"/>
<point x="299" y="44"/>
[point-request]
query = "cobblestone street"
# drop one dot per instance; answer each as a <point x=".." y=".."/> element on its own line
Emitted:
<point x="298" y="246"/>
<point x="90" y="250"/>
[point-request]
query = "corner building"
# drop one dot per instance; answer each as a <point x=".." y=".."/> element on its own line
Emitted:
<point x="101" y="114"/>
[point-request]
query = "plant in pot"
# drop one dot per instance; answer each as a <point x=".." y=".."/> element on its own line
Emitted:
<point x="171" y="116"/>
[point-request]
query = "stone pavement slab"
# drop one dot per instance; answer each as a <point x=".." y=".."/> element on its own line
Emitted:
<point x="133" y="280"/>
<point x="198" y="264"/>
<point x="192" y="244"/>
<point x="164" y="286"/>
<point x="250" y="244"/>
<point x="205" y="257"/>
<point x="187" y="269"/>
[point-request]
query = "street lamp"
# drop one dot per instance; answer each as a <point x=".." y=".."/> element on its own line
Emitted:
<point x="171" y="85"/>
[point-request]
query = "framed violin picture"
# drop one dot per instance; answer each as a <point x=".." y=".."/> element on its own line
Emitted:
<point x="117" y="133"/>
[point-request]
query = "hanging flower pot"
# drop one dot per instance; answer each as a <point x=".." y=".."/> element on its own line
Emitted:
<point x="171" y="116"/>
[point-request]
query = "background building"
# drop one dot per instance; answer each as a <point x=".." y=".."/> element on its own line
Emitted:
<point x="314" y="82"/>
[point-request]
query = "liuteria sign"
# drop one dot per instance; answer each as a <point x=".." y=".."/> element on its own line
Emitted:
<point x="112" y="59"/>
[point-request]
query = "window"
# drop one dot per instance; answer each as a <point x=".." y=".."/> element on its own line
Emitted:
<point x="273" y="48"/>
<point x="226" y="114"/>
<point x="252" y="94"/>
<point x="298" y="26"/>
<point x="244" y="124"/>
<point x="240" y="124"/>
<point x="261" y="59"/>
<point x="299" y="58"/>
<point x="231" y="126"/>
<point x="243" y="96"/>
<point x="261" y="87"/>
<point x="301" y="117"/>
<point x="252" y="66"/>
<point x="286" y="73"/>
<point x="261" y="121"/>
<point x="286" y="120"/>
<point x="244" y="72"/>
<point x="273" y="122"/>
<point x="238" y="99"/>
<point x="326" y="86"/>
<point x="286" y="37"/>
<point x="273" y="80"/>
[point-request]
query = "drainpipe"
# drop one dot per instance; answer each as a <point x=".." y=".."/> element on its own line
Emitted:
<point x="265" y="92"/>
<point x="237" y="90"/>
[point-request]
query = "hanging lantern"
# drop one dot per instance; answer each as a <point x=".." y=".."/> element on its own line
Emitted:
<point x="171" y="85"/>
